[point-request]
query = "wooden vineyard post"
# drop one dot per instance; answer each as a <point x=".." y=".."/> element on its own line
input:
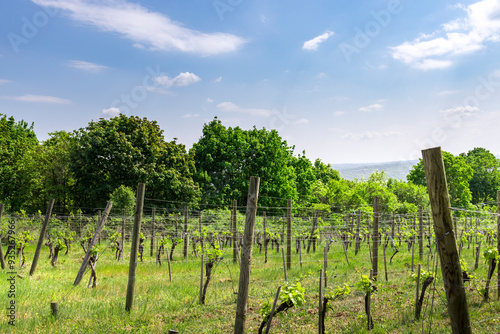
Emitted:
<point x="265" y="237"/>
<point x="270" y="320"/>
<point x="284" y="263"/>
<point x="123" y="235"/>
<point x="311" y="237"/>
<point x="498" y="240"/>
<point x="358" y="239"/>
<point x="420" y="233"/>
<point x="92" y="243"/>
<point x="184" y="244"/>
<point x="289" y="234"/>
<point x="201" y="281"/>
<point x="234" y="230"/>
<point x="139" y="205"/>
<point x="325" y="264"/>
<point x="375" y="237"/>
<point x="2" y="260"/>
<point x="445" y="239"/>
<point x="246" y="255"/>
<point x="40" y="238"/>
<point x="54" y="307"/>
<point x="152" y="232"/>
<point x="320" y="304"/>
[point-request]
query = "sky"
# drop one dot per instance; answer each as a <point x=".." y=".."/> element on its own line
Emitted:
<point x="344" y="81"/>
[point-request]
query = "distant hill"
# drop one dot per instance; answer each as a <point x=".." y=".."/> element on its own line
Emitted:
<point x="395" y="169"/>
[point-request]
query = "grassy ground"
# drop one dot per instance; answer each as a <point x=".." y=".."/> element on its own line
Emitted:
<point x="160" y="305"/>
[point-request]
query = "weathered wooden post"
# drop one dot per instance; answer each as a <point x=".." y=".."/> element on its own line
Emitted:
<point x="123" y="235"/>
<point x="97" y="232"/>
<point x="375" y="237"/>
<point x="246" y="255"/>
<point x="234" y="230"/>
<point x="445" y="239"/>
<point x="289" y="234"/>
<point x="152" y="232"/>
<point x="139" y="205"/>
<point x="40" y="238"/>
<point x="2" y="260"/>
<point x="420" y="233"/>
<point x="358" y="239"/>
<point x="184" y="237"/>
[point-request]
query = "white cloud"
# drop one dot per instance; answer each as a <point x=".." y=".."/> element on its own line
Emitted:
<point x="263" y="19"/>
<point x="321" y="75"/>
<point x="372" y="107"/>
<point x="145" y="27"/>
<point x="111" y="112"/>
<point x="4" y="81"/>
<point x="37" y="99"/>
<point x="219" y="79"/>
<point x="183" y="79"/>
<point x="368" y="135"/>
<point x="231" y="107"/>
<point x="463" y="110"/>
<point x="314" y="43"/>
<point x="209" y="100"/>
<point x="86" y="66"/>
<point x="461" y="36"/>
<point x="191" y="116"/>
<point x="338" y="113"/>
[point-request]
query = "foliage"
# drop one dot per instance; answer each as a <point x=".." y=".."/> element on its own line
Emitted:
<point x="18" y="144"/>
<point x="123" y="198"/>
<point x="291" y="295"/>
<point x="485" y="179"/>
<point x="491" y="253"/>
<point x="225" y="158"/>
<point x="365" y="285"/>
<point x="125" y="151"/>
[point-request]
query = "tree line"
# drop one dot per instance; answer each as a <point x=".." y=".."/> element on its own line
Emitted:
<point x="109" y="157"/>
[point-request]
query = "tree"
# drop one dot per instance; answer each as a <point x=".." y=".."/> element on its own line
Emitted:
<point x="325" y="172"/>
<point x="53" y="165"/>
<point x="225" y="158"/>
<point x="125" y="151"/>
<point x="458" y="176"/>
<point x="305" y="177"/>
<point x="123" y="198"/>
<point x="17" y="177"/>
<point x="485" y="179"/>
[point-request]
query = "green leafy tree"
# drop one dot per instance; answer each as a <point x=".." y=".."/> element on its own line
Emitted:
<point x="458" y="176"/>
<point x="125" y="151"/>
<point x="18" y="178"/>
<point x="485" y="179"/>
<point x="123" y="198"/>
<point x="225" y="158"/>
<point x="53" y="164"/>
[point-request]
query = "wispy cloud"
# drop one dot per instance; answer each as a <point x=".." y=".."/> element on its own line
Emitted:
<point x="37" y="99"/>
<point x="145" y="28"/>
<point x="314" y="43"/>
<point x="219" y="79"/>
<point x="460" y="36"/>
<point x="191" y="116"/>
<point x="372" y="107"/>
<point x="86" y="66"/>
<point x="183" y="79"/>
<point x="231" y="107"/>
<point x="4" y="81"/>
<point x="111" y="112"/>
<point x="338" y="113"/>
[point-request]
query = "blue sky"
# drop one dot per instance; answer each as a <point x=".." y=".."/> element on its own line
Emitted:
<point x="346" y="81"/>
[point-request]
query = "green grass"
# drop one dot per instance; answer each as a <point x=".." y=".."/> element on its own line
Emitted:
<point x="160" y="305"/>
